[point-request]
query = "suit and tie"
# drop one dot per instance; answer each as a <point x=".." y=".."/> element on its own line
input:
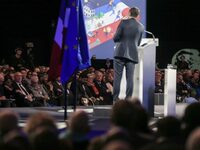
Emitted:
<point x="20" y="94"/>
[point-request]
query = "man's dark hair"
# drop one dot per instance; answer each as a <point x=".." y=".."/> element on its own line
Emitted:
<point x="134" y="11"/>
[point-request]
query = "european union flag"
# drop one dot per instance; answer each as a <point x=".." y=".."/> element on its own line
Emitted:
<point x="76" y="51"/>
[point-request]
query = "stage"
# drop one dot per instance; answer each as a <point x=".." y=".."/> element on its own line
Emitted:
<point x="99" y="115"/>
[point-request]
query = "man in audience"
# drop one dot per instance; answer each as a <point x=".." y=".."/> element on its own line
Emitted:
<point x="24" y="77"/>
<point x="40" y="96"/>
<point x="22" y="94"/>
<point x="102" y="88"/>
<point x="59" y="91"/>
<point x="4" y="102"/>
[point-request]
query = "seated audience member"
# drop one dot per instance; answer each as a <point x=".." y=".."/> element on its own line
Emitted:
<point x="115" y="138"/>
<point x="182" y="89"/>
<point x="77" y="132"/>
<point x="2" y="93"/>
<point x="21" y="93"/>
<point x="4" y="102"/>
<point x="40" y="96"/>
<point x="134" y="120"/>
<point x="44" y="139"/>
<point x="168" y="135"/>
<point x="10" y="75"/>
<point x="15" y="140"/>
<point x="193" y="141"/>
<point x="42" y="69"/>
<point x="101" y="85"/>
<point x="187" y="76"/>
<point x="109" y="78"/>
<point x="8" y="122"/>
<point x="191" y="98"/>
<point x="8" y="89"/>
<point x="59" y="92"/>
<point x="109" y="84"/>
<point x="191" y="119"/>
<point x="42" y="131"/>
<point x="195" y="83"/>
<point x="24" y="77"/>
<point x="37" y="70"/>
<point x="28" y="77"/>
<point x="87" y="92"/>
<point x="48" y="87"/>
<point x="159" y="86"/>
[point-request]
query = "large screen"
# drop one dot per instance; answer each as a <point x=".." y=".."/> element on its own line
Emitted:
<point x="102" y="18"/>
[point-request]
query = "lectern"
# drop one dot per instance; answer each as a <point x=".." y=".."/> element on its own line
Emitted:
<point x="144" y="75"/>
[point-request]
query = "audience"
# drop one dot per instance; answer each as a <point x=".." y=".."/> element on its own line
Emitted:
<point x="129" y="130"/>
<point x="92" y="87"/>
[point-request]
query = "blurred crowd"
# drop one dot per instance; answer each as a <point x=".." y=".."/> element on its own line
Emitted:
<point x="131" y="129"/>
<point x="187" y="85"/>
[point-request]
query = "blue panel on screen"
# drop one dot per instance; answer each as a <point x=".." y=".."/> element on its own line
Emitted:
<point x="102" y="18"/>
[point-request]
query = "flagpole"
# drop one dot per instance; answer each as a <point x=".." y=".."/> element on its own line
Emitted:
<point x="65" y="101"/>
<point x="76" y="70"/>
<point x="75" y="96"/>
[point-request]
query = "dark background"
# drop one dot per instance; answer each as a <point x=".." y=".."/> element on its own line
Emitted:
<point x="174" y="22"/>
<point x="28" y="20"/>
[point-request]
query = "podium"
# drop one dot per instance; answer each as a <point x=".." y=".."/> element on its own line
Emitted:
<point x="144" y="75"/>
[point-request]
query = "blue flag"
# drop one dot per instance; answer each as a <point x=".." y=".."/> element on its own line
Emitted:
<point x="76" y="51"/>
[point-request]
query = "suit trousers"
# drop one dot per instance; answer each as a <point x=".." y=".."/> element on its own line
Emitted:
<point x="119" y="65"/>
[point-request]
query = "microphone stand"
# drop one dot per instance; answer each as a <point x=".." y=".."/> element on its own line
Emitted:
<point x="154" y="39"/>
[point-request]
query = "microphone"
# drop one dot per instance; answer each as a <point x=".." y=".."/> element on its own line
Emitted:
<point x="154" y="39"/>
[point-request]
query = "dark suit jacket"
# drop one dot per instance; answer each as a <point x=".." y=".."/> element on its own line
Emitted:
<point x="21" y="101"/>
<point x="127" y="38"/>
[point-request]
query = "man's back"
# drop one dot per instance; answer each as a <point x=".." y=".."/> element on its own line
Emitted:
<point x="128" y="38"/>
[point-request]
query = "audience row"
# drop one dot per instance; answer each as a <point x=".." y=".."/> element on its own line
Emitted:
<point x="129" y="130"/>
<point x="26" y="88"/>
<point x="187" y="85"/>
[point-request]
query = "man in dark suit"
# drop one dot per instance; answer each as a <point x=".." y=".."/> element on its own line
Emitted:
<point x="21" y="93"/>
<point x="127" y="38"/>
